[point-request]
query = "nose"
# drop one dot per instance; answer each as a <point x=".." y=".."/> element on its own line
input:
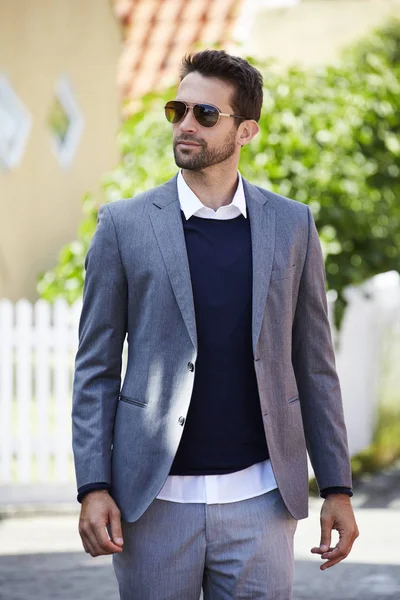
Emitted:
<point x="188" y="122"/>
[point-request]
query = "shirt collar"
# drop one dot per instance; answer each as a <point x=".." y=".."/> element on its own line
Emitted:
<point x="190" y="203"/>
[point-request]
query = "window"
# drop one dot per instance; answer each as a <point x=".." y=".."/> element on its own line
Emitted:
<point x="15" y="124"/>
<point x="65" y="122"/>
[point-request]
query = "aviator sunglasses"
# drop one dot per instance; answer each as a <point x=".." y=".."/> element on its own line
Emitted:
<point x="207" y="115"/>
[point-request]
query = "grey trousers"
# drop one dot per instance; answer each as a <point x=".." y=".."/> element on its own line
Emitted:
<point x="231" y="551"/>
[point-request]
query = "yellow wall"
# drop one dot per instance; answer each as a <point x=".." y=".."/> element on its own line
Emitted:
<point x="313" y="31"/>
<point x="40" y="202"/>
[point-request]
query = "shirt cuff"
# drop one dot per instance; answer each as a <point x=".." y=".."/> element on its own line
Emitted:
<point x="336" y="490"/>
<point x="92" y="487"/>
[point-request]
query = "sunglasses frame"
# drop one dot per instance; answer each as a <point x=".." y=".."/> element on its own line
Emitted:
<point x="192" y="105"/>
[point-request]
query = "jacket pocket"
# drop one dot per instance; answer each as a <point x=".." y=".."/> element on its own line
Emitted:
<point x="277" y="274"/>
<point x="134" y="401"/>
<point x="293" y="400"/>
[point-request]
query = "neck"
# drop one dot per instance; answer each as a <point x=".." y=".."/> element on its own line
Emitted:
<point x="213" y="187"/>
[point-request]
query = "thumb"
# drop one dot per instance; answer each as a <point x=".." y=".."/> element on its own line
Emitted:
<point x="115" y="527"/>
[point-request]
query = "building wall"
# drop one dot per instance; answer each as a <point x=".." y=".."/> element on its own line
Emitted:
<point x="40" y="201"/>
<point x="310" y="32"/>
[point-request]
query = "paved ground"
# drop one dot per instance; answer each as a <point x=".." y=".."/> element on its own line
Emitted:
<point x="41" y="556"/>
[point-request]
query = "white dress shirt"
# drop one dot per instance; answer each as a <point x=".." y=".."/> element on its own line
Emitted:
<point x="228" y="487"/>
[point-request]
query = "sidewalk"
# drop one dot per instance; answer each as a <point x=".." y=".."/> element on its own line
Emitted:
<point x="41" y="556"/>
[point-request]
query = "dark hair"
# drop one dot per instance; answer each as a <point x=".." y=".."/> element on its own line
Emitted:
<point x="246" y="80"/>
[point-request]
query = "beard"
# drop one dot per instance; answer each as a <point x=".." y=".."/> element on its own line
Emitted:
<point x="204" y="157"/>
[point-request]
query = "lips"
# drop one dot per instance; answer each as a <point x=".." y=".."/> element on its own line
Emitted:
<point x="188" y="144"/>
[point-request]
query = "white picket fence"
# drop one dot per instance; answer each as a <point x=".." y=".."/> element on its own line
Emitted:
<point x="38" y="345"/>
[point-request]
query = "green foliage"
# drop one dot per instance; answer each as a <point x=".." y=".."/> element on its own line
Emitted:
<point x="67" y="277"/>
<point x="385" y="448"/>
<point x="329" y="138"/>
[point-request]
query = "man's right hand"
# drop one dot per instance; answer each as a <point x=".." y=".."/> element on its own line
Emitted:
<point x="99" y="510"/>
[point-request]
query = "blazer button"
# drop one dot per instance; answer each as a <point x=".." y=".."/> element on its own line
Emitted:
<point x="181" y="421"/>
<point x="191" y="366"/>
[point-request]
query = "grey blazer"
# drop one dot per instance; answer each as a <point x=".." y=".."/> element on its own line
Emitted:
<point x="138" y="284"/>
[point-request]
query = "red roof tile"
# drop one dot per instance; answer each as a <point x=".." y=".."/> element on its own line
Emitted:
<point x="157" y="33"/>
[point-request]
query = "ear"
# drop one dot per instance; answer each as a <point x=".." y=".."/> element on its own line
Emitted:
<point x="246" y="131"/>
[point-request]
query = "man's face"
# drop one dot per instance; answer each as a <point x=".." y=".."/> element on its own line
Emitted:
<point x="197" y="147"/>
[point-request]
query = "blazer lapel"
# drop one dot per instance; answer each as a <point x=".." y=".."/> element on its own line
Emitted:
<point x="262" y="226"/>
<point x="165" y="215"/>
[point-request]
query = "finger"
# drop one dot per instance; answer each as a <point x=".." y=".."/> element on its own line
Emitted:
<point x="334" y="552"/>
<point x="317" y="550"/>
<point x="88" y="541"/>
<point x="83" y="537"/>
<point x="89" y="548"/>
<point x="332" y="562"/>
<point x="103" y="543"/>
<point x="116" y="528"/>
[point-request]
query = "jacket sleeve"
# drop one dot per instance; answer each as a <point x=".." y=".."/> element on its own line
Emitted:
<point x="315" y="370"/>
<point x="94" y="487"/>
<point x="97" y="378"/>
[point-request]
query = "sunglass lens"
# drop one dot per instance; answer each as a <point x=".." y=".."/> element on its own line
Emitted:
<point x="206" y="114"/>
<point x="174" y="111"/>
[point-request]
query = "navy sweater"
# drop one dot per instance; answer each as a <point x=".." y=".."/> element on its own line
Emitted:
<point x="224" y="430"/>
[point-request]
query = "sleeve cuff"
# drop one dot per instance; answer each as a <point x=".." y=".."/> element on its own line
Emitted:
<point x="336" y="490"/>
<point x="92" y="487"/>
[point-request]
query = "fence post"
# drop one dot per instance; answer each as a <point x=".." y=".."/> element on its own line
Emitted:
<point x="62" y="400"/>
<point x="42" y="368"/>
<point x="6" y="388"/>
<point x="23" y="394"/>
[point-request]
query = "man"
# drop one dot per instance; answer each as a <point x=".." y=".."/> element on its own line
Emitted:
<point x="194" y="474"/>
